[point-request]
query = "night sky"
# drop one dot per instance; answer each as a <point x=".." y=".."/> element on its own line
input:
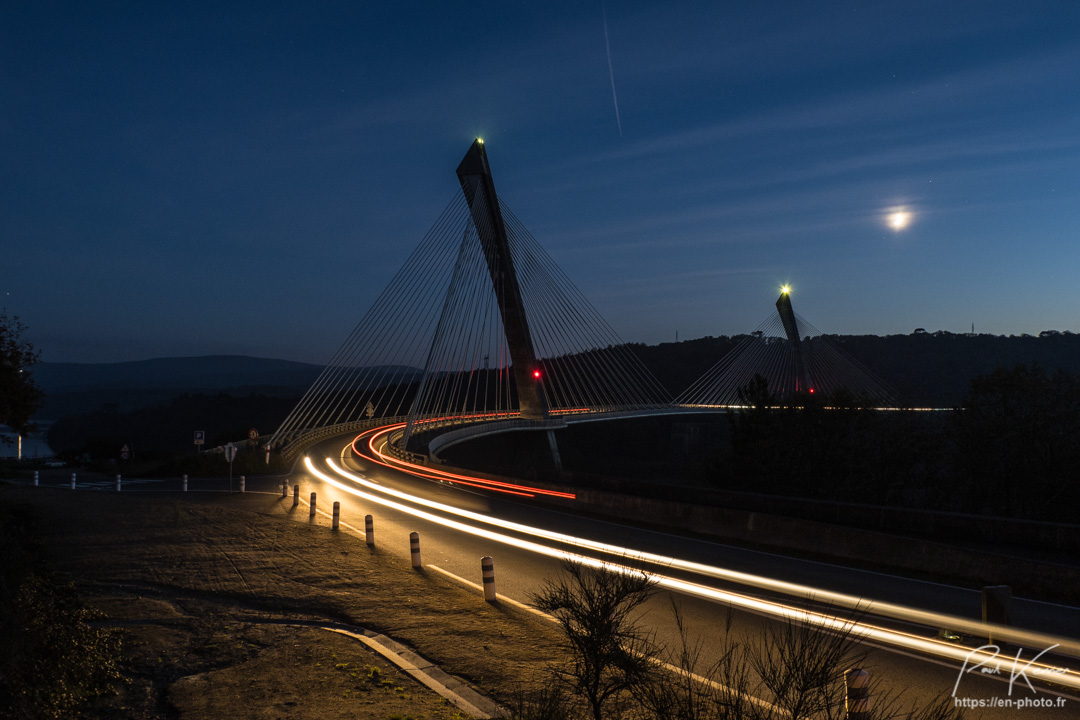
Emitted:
<point x="244" y="178"/>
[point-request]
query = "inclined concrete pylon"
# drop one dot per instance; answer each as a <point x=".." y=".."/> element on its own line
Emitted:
<point x="791" y="328"/>
<point x="474" y="174"/>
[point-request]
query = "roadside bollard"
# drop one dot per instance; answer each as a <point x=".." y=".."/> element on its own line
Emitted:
<point x="72" y="481"/>
<point x="243" y="481"/>
<point x="185" y="484"/>
<point x="35" y="478"/>
<point x="295" y="495"/>
<point x="369" y="530"/>
<point x="858" y="694"/>
<point x="311" y="512"/>
<point x="414" y="547"/>
<point x="487" y="569"/>
<point x="284" y="488"/>
<point x="337" y="515"/>
<point x="117" y="483"/>
<point x="996" y="606"/>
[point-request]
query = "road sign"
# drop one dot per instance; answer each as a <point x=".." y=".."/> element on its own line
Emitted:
<point x="369" y="410"/>
<point x="125" y="452"/>
<point x="200" y="437"/>
<point x="230" y="452"/>
<point x="253" y="434"/>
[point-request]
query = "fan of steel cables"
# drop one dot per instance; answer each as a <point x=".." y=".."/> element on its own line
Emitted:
<point x="767" y="352"/>
<point x="433" y="345"/>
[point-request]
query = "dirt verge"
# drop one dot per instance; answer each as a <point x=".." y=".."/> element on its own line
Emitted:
<point x="206" y="594"/>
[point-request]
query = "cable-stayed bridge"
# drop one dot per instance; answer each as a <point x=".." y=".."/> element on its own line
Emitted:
<point x="784" y="360"/>
<point x="480" y="326"/>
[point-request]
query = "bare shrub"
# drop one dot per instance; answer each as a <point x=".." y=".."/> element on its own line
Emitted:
<point x="609" y="653"/>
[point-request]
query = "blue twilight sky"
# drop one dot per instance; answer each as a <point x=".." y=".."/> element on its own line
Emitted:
<point x="244" y="178"/>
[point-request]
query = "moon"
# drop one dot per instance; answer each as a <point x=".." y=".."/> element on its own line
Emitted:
<point x="899" y="219"/>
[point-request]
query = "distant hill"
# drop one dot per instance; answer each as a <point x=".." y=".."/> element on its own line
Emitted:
<point x="925" y="369"/>
<point x="83" y="387"/>
<point x="210" y="372"/>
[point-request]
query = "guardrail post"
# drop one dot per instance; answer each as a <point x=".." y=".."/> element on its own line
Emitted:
<point x="185" y="483"/>
<point x="487" y="570"/>
<point x="72" y="481"/>
<point x="295" y="495"/>
<point x="858" y="694"/>
<point x="311" y="510"/>
<point x="117" y="483"/>
<point x="337" y="515"/>
<point x="414" y="548"/>
<point x="369" y="530"/>
<point x="997" y="605"/>
<point x="243" y="481"/>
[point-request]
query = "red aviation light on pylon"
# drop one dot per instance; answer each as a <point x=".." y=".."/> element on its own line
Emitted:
<point x="536" y="373"/>
<point x="811" y="391"/>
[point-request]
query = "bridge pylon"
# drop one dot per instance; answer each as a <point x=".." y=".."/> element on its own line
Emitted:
<point x="791" y="329"/>
<point x="474" y="174"/>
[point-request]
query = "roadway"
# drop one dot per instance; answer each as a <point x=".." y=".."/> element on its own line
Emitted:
<point x="714" y="584"/>
<point x="898" y="618"/>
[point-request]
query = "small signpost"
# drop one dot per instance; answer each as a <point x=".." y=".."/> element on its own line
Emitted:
<point x="125" y="452"/>
<point x="200" y="438"/>
<point x="253" y="435"/>
<point x="369" y="410"/>
<point x="230" y="455"/>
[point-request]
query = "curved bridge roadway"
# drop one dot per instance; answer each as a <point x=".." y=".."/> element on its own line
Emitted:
<point x="1034" y="664"/>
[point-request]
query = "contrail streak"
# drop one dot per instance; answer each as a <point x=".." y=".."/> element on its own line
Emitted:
<point x="611" y="71"/>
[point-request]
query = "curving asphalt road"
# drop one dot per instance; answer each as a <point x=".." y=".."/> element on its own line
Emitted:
<point x="895" y="615"/>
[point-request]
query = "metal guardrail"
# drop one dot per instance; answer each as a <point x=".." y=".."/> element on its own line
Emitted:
<point x="489" y="428"/>
<point x="474" y="427"/>
<point x="306" y="438"/>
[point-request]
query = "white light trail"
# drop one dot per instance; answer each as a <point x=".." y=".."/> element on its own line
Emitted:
<point x="1061" y="676"/>
<point x="852" y="602"/>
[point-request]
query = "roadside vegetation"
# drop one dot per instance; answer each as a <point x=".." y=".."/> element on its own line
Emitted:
<point x="615" y="668"/>
<point x="53" y="660"/>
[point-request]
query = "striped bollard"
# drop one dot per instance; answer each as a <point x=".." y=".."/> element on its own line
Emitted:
<point x="35" y="478"/>
<point x="284" y="488"/>
<point x="369" y="530"/>
<point x="243" y="481"/>
<point x="185" y="484"/>
<point x="311" y="511"/>
<point x="117" y="483"/>
<point x="858" y="694"/>
<point x="295" y="495"/>
<point x="72" y="481"/>
<point x="337" y="515"/>
<point x="487" y="569"/>
<point x="414" y="548"/>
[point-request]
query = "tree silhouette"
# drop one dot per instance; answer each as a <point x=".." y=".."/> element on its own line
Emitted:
<point x="20" y="397"/>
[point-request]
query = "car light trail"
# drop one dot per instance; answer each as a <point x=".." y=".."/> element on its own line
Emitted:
<point x="860" y="604"/>
<point x="971" y="657"/>
<point x="431" y="474"/>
